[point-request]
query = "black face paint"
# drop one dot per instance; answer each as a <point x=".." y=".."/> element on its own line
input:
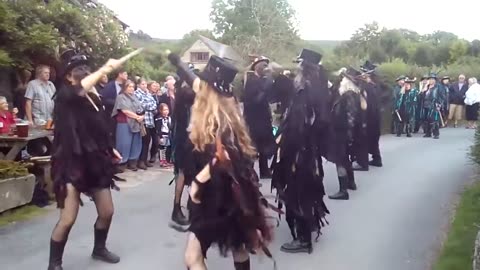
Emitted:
<point x="80" y="72"/>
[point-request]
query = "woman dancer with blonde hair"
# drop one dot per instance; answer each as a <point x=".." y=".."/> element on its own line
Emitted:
<point x="226" y="206"/>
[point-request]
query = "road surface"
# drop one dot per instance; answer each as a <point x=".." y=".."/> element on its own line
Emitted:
<point x="395" y="221"/>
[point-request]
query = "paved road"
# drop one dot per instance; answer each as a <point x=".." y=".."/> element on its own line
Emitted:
<point x="395" y="221"/>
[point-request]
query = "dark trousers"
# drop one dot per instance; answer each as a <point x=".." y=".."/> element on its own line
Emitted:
<point x="374" y="147"/>
<point x="263" y="165"/>
<point x="300" y="227"/>
<point x="432" y="127"/>
<point x="151" y="135"/>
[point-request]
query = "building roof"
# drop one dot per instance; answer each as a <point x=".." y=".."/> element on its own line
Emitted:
<point x="222" y="50"/>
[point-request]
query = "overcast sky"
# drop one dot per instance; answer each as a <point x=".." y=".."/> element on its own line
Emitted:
<point x="319" y="20"/>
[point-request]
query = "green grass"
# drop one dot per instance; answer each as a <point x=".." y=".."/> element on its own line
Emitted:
<point x="457" y="253"/>
<point x="20" y="214"/>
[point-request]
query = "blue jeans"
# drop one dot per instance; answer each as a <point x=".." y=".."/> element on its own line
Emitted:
<point x="128" y="144"/>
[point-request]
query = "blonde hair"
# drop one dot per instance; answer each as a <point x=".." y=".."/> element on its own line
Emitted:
<point x="214" y="116"/>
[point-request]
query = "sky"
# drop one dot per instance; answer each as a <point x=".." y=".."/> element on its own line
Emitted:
<point x="318" y="20"/>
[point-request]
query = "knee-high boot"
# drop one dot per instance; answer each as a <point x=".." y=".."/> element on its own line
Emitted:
<point x="342" y="194"/>
<point x="351" y="180"/>
<point x="100" y="251"/>
<point x="242" y="265"/>
<point x="56" y="254"/>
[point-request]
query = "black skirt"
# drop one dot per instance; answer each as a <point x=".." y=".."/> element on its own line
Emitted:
<point x="472" y="112"/>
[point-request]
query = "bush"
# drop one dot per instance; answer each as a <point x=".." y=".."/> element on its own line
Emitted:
<point x="12" y="169"/>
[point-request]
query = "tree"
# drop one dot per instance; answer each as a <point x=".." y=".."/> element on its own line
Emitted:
<point x="458" y="49"/>
<point x="378" y="55"/>
<point x="33" y="32"/>
<point x="423" y="55"/>
<point x="364" y="39"/>
<point x="257" y="27"/>
<point x="474" y="49"/>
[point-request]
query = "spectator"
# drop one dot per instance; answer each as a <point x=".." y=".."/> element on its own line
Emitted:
<point x="112" y="89"/>
<point x="149" y="106"/>
<point x="169" y="96"/>
<point x="457" y="92"/>
<point x="39" y="103"/>
<point x="472" y="100"/>
<point x="102" y="83"/>
<point x="129" y="116"/>
<point x="163" y="124"/>
<point x="164" y="88"/>
<point x="7" y="119"/>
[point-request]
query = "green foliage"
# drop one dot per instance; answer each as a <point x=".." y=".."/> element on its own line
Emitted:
<point x="12" y="169"/>
<point x="459" y="246"/>
<point x="257" y="27"/>
<point x="33" y="32"/>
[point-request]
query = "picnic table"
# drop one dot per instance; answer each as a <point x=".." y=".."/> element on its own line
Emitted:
<point x="16" y="144"/>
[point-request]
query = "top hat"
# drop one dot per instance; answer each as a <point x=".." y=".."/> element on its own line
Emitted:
<point x="445" y="78"/>
<point x="71" y="59"/>
<point x="309" y="56"/>
<point x="368" y="67"/>
<point x="401" y="77"/>
<point x="259" y="60"/>
<point x="219" y="73"/>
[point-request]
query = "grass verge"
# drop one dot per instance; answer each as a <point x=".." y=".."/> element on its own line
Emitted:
<point x="457" y="252"/>
<point x="20" y="214"/>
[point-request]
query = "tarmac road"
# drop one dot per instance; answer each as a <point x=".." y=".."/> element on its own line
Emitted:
<point x="395" y="221"/>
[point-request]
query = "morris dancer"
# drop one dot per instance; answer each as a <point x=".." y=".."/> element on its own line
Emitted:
<point x="298" y="172"/>
<point x="405" y="108"/>
<point x="346" y="123"/>
<point x="227" y="208"/>
<point x="83" y="156"/>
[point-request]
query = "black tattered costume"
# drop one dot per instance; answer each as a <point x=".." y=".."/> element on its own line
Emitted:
<point x="82" y="160"/>
<point x="231" y="213"/>
<point x="297" y="170"/>
<point x="256" y="110"/>
<point x="346" y="129"/>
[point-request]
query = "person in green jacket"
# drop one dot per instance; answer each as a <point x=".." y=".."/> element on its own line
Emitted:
<point x="400" y="81"/>
<point x="405" y="107"/>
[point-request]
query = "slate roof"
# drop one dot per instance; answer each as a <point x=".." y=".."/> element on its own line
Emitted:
<point x="222" y="50"/>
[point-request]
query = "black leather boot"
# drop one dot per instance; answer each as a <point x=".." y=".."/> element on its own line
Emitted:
<point x="376" y="162"/>
<point x="179" y="221"/>
<point x="242" y="265"/>
<point x="351" y="180"/>
<point x="100" y="251"/>
<point x="56" y="255"/>
<point x="342" y="194"/>
<point x="297" y="246"/>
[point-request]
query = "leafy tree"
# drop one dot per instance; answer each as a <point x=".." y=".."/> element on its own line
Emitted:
<point x="33" y="32"/>
<point x="257" y="27"/>
<point x="474" y="49"/>
<point x="423" y="55"/>
<point x="458" y="49"/>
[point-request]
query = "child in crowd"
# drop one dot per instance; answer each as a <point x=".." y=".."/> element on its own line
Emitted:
<point x="163" y="125"/>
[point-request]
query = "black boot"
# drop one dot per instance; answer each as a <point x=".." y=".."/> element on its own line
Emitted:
<point x="376" y="162"/>
<point x="132" y="165"/>
<point x="297" y="246"/>
<point x="351" y="180"/>
<point x="179" y="221"/>
<point x="100" y="251"/>
<point x="242" y="265"/>
<point x="56" y="255"/>
<point x="342" y="194"/>
<point x="265" y="172"/>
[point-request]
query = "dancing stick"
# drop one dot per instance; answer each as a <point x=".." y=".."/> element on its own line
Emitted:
<point x="91" y="80"/>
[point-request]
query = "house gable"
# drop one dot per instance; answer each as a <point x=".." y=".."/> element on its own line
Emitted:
<point x="198" y="54"/>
